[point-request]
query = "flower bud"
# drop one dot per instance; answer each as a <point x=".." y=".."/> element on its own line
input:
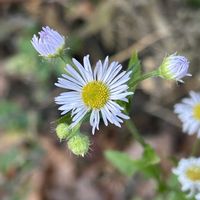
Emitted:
<point x="49" y="44"/>
<point x="79" y="144"/>
<point x="174" y="67"/>
<point x="62" y="131"/>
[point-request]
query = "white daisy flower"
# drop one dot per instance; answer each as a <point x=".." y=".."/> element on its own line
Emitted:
<point x="49" y="43"/>
<point x="189" y="113"/>
<point x="174" y="67"/>
<point x="95" y="91"/>
<point x="188" y="172"/>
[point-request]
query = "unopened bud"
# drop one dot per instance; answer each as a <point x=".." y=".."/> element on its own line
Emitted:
<point x="62" y="131"/>
<point x="174" y="67"/>
<point x="49" y="43"/>
<point x="79" y="144"/>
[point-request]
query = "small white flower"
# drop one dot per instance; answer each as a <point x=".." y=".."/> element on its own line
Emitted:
<point x="188" y="172"/>
<point x="49" y="43"/>
<point x="189" y="113"/>
<point x="174" y="67"/>
<point x="95" y="91"/>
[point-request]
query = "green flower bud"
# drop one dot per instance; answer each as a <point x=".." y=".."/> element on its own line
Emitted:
<point x="62" y="131"/>
<point x="79" y="144"/>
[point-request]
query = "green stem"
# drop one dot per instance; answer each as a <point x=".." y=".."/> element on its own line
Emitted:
<point x="146" y="76"/>
<point x="160" y="180"/>
<point x="63" y="59"/>
<point x="66" y="59"/>
<point x="132" y="128"/>
<point x="196" y="147"/>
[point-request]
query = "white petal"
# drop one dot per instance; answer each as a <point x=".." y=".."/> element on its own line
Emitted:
<point x="104" y="117"/>
<point x="120" y="96"/>
<point x="63" y="83"/>
<point x="94" y="120"/>
<point x="74" y="74"/>
<point x="87" y="64"/>
<point x="79" y="116"/>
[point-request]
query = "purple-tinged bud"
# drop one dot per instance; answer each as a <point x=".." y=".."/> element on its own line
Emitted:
<point x="49" y="43"/>
<point x="174" y="67"/>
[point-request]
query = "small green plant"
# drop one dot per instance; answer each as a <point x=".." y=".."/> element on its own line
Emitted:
<point x="105" y="92"/>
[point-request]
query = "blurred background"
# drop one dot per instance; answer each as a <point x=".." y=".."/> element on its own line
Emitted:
<point x="34" y="165"/>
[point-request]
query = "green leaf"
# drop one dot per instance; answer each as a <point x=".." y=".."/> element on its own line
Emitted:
<point x="134" y="66"/>
<point x="175" y="188"/>
<point x="173" y="195"/>
<point x="64" y="119"/>
<point x="128" y="166"/>
<point x="121" y="161"/>
<point x="147" y="163"/>
<point x="150" y="155"/>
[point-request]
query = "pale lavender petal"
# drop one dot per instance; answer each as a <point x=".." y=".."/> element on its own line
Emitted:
<point x="48" y="43"/>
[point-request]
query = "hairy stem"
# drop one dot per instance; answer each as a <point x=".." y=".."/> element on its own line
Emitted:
<point x="146" y="76"/>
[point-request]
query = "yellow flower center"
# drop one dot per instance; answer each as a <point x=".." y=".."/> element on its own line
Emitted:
<point x="95" y="94"/>
<point x="193" y="173"/>
<point x="196" y="111"/>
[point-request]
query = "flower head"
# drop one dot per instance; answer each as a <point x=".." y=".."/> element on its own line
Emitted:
<point x="188" y="172"/>
<point x="49" y="43"/>
<point x="94" y="91"/>
<point x="189" y="113"/>
<point x="174" y="67"/>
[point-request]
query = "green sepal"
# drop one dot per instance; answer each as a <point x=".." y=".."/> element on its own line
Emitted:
<point x="163" y="70"/>
<point x="64" y="119"/>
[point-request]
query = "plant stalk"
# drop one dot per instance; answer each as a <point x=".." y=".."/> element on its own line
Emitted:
<point x="135" y="133"/>
<point x="154" y="73"/>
